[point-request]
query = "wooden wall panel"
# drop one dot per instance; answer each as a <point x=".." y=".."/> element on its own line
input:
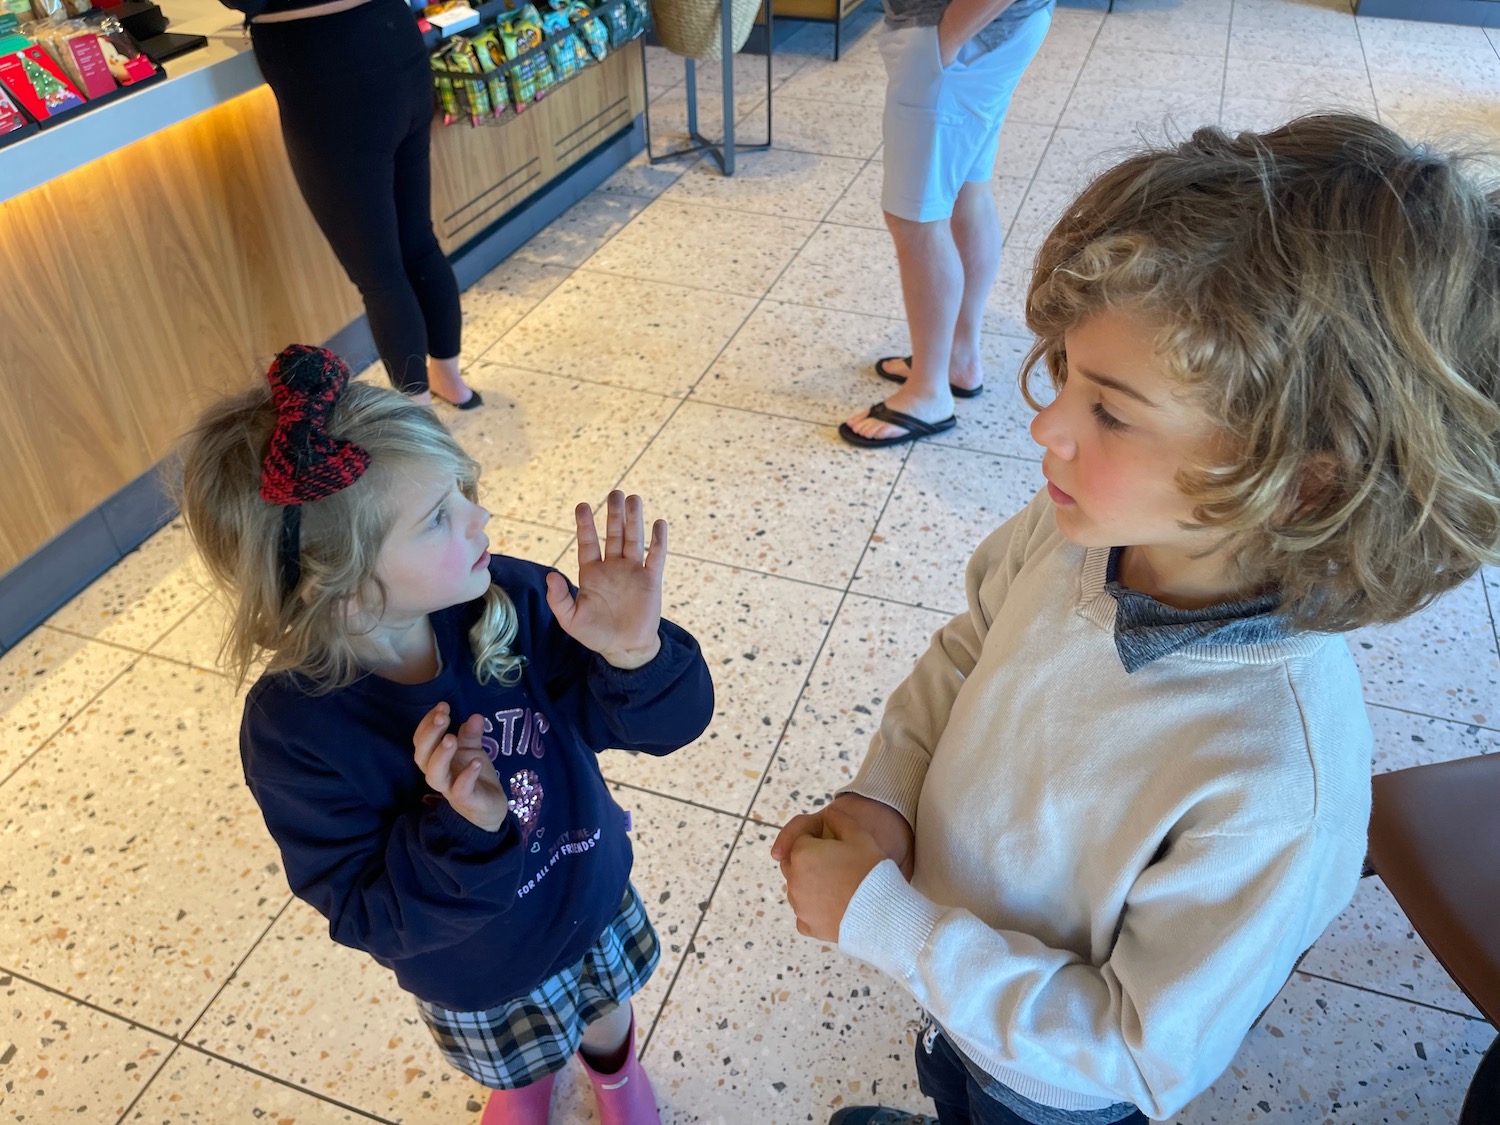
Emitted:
<point x="141" y="287"/>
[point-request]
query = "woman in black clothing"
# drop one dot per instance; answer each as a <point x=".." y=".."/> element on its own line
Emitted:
<point x="354" y="87"/>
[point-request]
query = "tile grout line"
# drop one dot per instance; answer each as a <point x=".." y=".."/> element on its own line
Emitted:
<point x="1429" y="715"/>
<point x="688" y="948"/>
<point x="62" y="726"/>
<point x="180" y="1041"/>
<point x="1389" y="996"/>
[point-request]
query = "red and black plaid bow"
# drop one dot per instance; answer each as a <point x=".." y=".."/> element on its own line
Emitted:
<point x="304" y="462"/>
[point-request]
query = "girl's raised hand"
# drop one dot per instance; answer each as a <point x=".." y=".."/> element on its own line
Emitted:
<point x="618" y="608"/>
<point x="457" y="767"/>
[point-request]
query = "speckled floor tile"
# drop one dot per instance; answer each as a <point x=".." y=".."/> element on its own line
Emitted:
<point x="1334" y="48"/>
<point x="726" y="251"/>
<point x="871" y="648"/>
<point x="1325" y="1052"/>
<point x="1074" y="156"/>
<point x="1441" y="661"/>
<point x="829" y="128"/>
<point x="197" y="1089"/>
<point x="45" y="680"/>
<point x="759" y="635"/>
<point x="945" y="502"/>
<point x="1372" y="945"/>
<point x="147" y="873"/>
<point x="1005" y="311"/>
<point x="547" y="444"/>
<point x="848" y="268"/>
<point x="344" y="1029"/>
<point x="1128" y="108"/>
<point x="644" y="335"/>
<point x="1045" y="203"/>
<point x="769" y="494"/>
<point x="1313" y="86"/>
<point x="142" y="596"/>
<point x="643" y="178"/>
<point x="802" y="362"/>
<point x="1039" y="100"/>
<point x="1403" y="739"/>
<point x="495" y="303"/>
<point x="767" y="1026"/>
<point x="196" y="639"/>
<point x="1154" y="70"/>
<point x="855" y="81"/>
<point x="1022" y="144"/>
<point x="62" y="1061"/>
<point x="577" y="233"/>
<point x="797" y="185"/>
<point x="1177" y="27"/>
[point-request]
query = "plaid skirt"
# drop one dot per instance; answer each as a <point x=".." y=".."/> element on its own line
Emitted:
<point x="527" y="1039"/>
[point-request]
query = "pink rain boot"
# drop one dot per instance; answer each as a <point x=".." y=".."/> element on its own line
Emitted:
<point x="624" y="1097"/>
<point x="525" y="1106"/>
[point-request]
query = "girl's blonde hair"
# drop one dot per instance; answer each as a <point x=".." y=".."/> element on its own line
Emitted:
<point x="307" y="630"/>
<point x="1331" y="295"/>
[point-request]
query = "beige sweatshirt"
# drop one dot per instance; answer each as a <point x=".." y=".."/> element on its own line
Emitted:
<point x="1042" y="780"/>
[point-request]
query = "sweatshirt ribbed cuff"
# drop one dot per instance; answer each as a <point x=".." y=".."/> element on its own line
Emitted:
<point x="893" y="779"/>
<point x="888" y="923"/>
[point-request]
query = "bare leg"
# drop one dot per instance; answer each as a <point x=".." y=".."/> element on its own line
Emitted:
<point x="932" y="286"/>
<point x="605" y="1046"/>
<point x="977" y="234"/>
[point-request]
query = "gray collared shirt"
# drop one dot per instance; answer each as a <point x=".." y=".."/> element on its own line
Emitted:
<point x="925" y="13"/>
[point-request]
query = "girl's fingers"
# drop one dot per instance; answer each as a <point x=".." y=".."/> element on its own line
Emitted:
<point x="471" y="734"/>
<point x="439" y="765"/>
<point x="656" y="560"/>
<point x="614" y="524"/>
<point x="635" y="538"/>
<point x="425" y="740"/>
<point x="588" y="535"/>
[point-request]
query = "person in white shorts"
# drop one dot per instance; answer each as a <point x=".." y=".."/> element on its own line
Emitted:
<point x="951" y="67"/>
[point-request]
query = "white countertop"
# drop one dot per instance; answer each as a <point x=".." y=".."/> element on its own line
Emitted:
<point x="196" y="81"/>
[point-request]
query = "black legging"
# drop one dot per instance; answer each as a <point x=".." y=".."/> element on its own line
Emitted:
<point x="355" y="93"/>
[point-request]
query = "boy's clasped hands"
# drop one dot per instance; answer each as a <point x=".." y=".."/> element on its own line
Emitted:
<point x="826" y="855"/>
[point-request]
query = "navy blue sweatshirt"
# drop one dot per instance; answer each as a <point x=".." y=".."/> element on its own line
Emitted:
<point x="468" y="919"/>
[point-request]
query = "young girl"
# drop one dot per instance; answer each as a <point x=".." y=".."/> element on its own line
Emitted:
<point x="482" y="860"/>
<point x="1119" y="797"/>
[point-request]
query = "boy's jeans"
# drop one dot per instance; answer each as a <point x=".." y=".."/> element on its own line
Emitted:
<point x="960" y="1100"/>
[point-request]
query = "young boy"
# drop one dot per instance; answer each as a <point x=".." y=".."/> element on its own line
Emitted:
<point x="1130" y="785"/>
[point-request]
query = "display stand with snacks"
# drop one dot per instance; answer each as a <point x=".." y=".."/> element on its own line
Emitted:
<point x="507" y="58"/>
<point x="61" y="63"/>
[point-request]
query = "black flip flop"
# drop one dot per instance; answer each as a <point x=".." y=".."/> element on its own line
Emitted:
<point x="897" y="377"/>
<point x="915" y="428"/>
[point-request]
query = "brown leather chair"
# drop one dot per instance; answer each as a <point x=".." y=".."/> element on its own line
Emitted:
<point x="1435" y="842"/>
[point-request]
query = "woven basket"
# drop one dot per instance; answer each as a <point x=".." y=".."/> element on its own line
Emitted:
<point x="694" y="28"/>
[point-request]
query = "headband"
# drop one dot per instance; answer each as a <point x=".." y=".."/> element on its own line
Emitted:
<point x="304" y="462"/>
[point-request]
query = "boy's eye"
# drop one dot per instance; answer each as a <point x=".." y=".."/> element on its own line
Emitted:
<point x="1106" y="419"/>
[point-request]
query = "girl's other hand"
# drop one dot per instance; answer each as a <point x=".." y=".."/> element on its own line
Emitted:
<point x="457" y="768"/>
<point x="617" y="611"/>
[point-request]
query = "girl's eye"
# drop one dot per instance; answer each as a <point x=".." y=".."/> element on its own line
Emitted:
<point x="439" y="516"/>
<point x="1106" y="419"/>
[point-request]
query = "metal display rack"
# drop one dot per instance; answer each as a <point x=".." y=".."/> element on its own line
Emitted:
<point x="725" y="152"/>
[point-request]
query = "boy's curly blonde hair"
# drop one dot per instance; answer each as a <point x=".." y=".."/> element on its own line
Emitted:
<point x="1332" y="298"/>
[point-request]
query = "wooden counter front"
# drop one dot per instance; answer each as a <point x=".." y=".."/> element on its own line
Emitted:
<point x="143" y="286"/>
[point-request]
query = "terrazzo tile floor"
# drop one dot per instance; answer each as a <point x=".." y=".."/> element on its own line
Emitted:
<point x="696" y="339"/>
